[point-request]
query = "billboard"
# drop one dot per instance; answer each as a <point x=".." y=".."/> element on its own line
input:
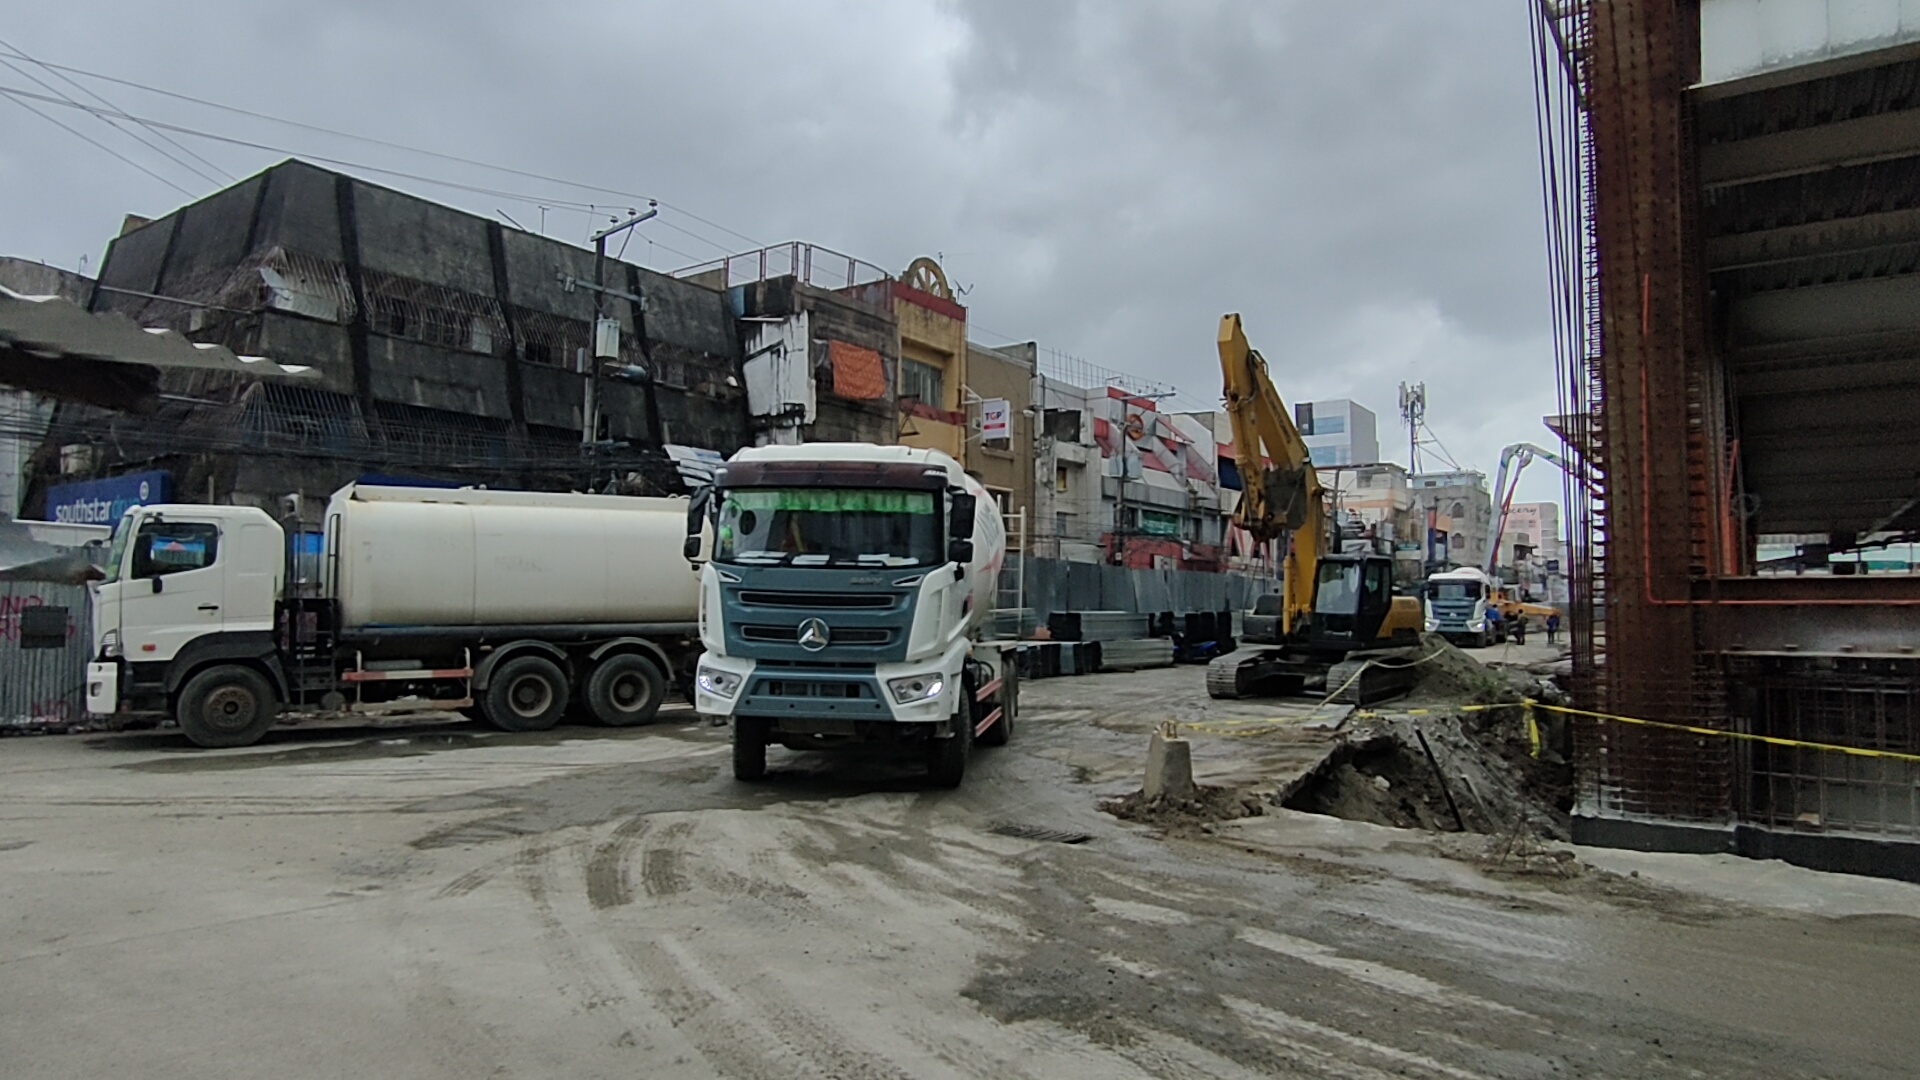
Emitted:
<point x="101" y="502"/>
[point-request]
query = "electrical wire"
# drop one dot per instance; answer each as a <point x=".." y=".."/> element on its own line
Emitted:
<point x="77" y="133"/>
<point x="398" y="146"/>
<point x="175" y="143"/>
<point x="63" y="96"/>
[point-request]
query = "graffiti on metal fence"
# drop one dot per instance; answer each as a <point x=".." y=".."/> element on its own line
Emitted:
<point x="11" y="608"/>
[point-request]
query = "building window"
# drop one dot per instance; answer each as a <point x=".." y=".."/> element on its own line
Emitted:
<point x="1060" y="524"/>
<point x="1459" y="511"/>
<point x="1330" y="424"/>
<point x="923" y="383"/>
<point x="1459" y="540"/>
<point x="1159" y="523"/>
<point x="1324" y="456"/>
<point x="1060" y="478"/>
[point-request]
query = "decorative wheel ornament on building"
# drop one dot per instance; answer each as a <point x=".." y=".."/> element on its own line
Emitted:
<point x="925" y="275"/>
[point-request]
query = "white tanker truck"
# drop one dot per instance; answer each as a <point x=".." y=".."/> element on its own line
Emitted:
<point x="509" y="605"/>
<point x="844" y="601"/>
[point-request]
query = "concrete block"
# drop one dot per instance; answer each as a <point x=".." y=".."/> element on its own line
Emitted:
<point x="1169" y="767"/>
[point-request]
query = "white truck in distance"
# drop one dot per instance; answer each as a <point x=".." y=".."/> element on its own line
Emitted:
<point x="844" y="602"/>
<point x="510" y="605"/>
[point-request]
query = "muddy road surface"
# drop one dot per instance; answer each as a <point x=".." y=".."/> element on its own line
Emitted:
<point x="450" y="902"/>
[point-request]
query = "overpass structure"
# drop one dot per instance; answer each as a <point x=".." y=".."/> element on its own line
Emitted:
<point x="1733" y="203"/>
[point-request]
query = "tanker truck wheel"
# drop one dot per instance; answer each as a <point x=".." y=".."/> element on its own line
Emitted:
<point x="226" y="706"/>
<point x="527" y="693"/>
<point x="625" y="690"/>
<point x="749" y="748"/>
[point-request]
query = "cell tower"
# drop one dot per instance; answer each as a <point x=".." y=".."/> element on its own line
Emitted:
<point x="1413" y="413"/>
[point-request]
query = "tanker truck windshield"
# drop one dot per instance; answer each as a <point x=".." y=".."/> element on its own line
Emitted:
<point x="844" y="527"/>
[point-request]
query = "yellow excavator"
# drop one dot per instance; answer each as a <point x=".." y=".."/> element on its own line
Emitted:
<point x="1336" y="626"/>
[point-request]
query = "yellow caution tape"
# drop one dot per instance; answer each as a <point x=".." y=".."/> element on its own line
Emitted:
<point x="1743" y="736"/>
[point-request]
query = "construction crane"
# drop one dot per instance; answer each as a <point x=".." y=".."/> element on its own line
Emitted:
<point x="1513" y="461"/>
<point x="1336" y="615"/>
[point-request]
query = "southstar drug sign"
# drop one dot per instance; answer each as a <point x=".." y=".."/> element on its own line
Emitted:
<point x="101" y="502"/>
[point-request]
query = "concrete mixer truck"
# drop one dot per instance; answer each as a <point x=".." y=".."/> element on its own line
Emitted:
<point x="844" y="602"/>
<point x="511" y="606"/>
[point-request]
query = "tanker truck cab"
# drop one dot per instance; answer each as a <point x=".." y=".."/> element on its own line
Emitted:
<point x="842" y="601"/>
<point x="186" y="588"/>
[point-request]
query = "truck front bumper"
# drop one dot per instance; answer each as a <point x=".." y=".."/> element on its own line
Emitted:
<point x="777" y="692"/>
<point x="103" y="687"/>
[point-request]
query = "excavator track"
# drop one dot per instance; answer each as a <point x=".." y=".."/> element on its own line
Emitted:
<point x="1376" y="675"/>
<point x="1224" y="673"/>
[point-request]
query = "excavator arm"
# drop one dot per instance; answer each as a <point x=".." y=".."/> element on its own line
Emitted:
<point x="1281" y="499"/>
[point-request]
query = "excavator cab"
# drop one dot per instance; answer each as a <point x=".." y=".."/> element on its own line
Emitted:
<point x="1352" y="596"/>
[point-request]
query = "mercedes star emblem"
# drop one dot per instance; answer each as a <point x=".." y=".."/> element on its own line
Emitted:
<point x="814" y="635"/>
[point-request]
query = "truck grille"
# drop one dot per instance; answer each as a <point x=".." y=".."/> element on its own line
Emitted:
<point x="797" y="688"/>
<point x="842" y="635"/>
<point x="843" y="601"/>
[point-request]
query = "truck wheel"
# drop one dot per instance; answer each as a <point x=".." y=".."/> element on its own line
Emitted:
<point x="226" y="706"/>
<point x="625" y="690"/>
<point x="947" y="758"/>
<point x="1001" y="731"/>
<point x="527" y="693"/>
<point x="749" y="748"/>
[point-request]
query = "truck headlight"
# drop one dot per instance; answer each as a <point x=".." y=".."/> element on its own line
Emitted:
<point x="110" y="645"/>
<point x="718" y="683"/>
<point x="915" y="688"/>
<point x="1433" y="625"/>
<point x="1476" y="625"/>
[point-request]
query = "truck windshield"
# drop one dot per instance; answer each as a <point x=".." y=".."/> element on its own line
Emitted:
<point x="1453" y="590"/>
<point x="117" y="553"/>
<point x="829" y="527"/>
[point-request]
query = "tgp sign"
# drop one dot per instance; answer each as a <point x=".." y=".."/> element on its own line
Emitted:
<point x="101" y="502"/>
<point x="996" y="419"/>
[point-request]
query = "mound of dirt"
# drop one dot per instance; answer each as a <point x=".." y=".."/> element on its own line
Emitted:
<point x="1207" y="804"/>
<point x="1445" y="673"/>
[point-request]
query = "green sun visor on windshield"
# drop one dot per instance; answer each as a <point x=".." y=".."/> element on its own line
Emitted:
<point x="834" y="501"/>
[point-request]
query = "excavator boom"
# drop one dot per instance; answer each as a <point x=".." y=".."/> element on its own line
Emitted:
<point x="1282" y="496"/>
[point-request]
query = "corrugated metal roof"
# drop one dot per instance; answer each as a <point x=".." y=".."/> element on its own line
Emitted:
<point x="51" y="345"/>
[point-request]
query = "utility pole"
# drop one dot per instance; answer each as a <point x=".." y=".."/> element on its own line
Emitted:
<point x="605" y="341"/>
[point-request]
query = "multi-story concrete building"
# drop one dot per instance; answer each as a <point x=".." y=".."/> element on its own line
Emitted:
<point x="1000" y="388"/>
<point x="1378" y="499"/>
<point x="1533" y="547"/>
<point x="444" y="345"/>
<point x="1459" y="515"/>
<point x="1338" y="432"/>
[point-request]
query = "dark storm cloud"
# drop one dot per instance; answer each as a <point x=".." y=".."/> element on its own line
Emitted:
<point x="1106" y="177"/>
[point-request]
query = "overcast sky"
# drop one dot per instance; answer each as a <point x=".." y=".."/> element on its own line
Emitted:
<point x="1105" y="176"/>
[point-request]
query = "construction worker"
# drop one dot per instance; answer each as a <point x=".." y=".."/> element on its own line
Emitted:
<point x="1519" y="628"/>
<point x="1553" y="626"/>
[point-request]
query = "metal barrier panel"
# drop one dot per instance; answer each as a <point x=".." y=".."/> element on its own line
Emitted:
<point x="44" y="644"/>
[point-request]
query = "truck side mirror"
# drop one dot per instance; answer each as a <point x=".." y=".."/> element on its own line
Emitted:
<point x="960" y="551"/>
<point x="696" y="518"/>
<point x="960" y="521"/>
<point x="691" y="549"/>
<point x="156" y="579"/>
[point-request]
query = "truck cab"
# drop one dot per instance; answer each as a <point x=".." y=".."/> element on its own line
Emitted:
<point x="186" y="587"/>
<point x="841" y="604"/>
<point x="1458" y="603"/>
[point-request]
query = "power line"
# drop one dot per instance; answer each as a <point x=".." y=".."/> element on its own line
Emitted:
<point x="24" y="73"/>
<point x="77" y="133"/>
<point x="175" y="143"/>
<point x="400" y="146"/>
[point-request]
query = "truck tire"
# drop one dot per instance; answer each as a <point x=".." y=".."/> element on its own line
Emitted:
<point x="625" y="690"/>
<point x="947" y="758"/>
<point x="527" y="693"/>
<point x="1002" y="729"/>
<point x="224" y="706"/>
<point x="749" y="748"/>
